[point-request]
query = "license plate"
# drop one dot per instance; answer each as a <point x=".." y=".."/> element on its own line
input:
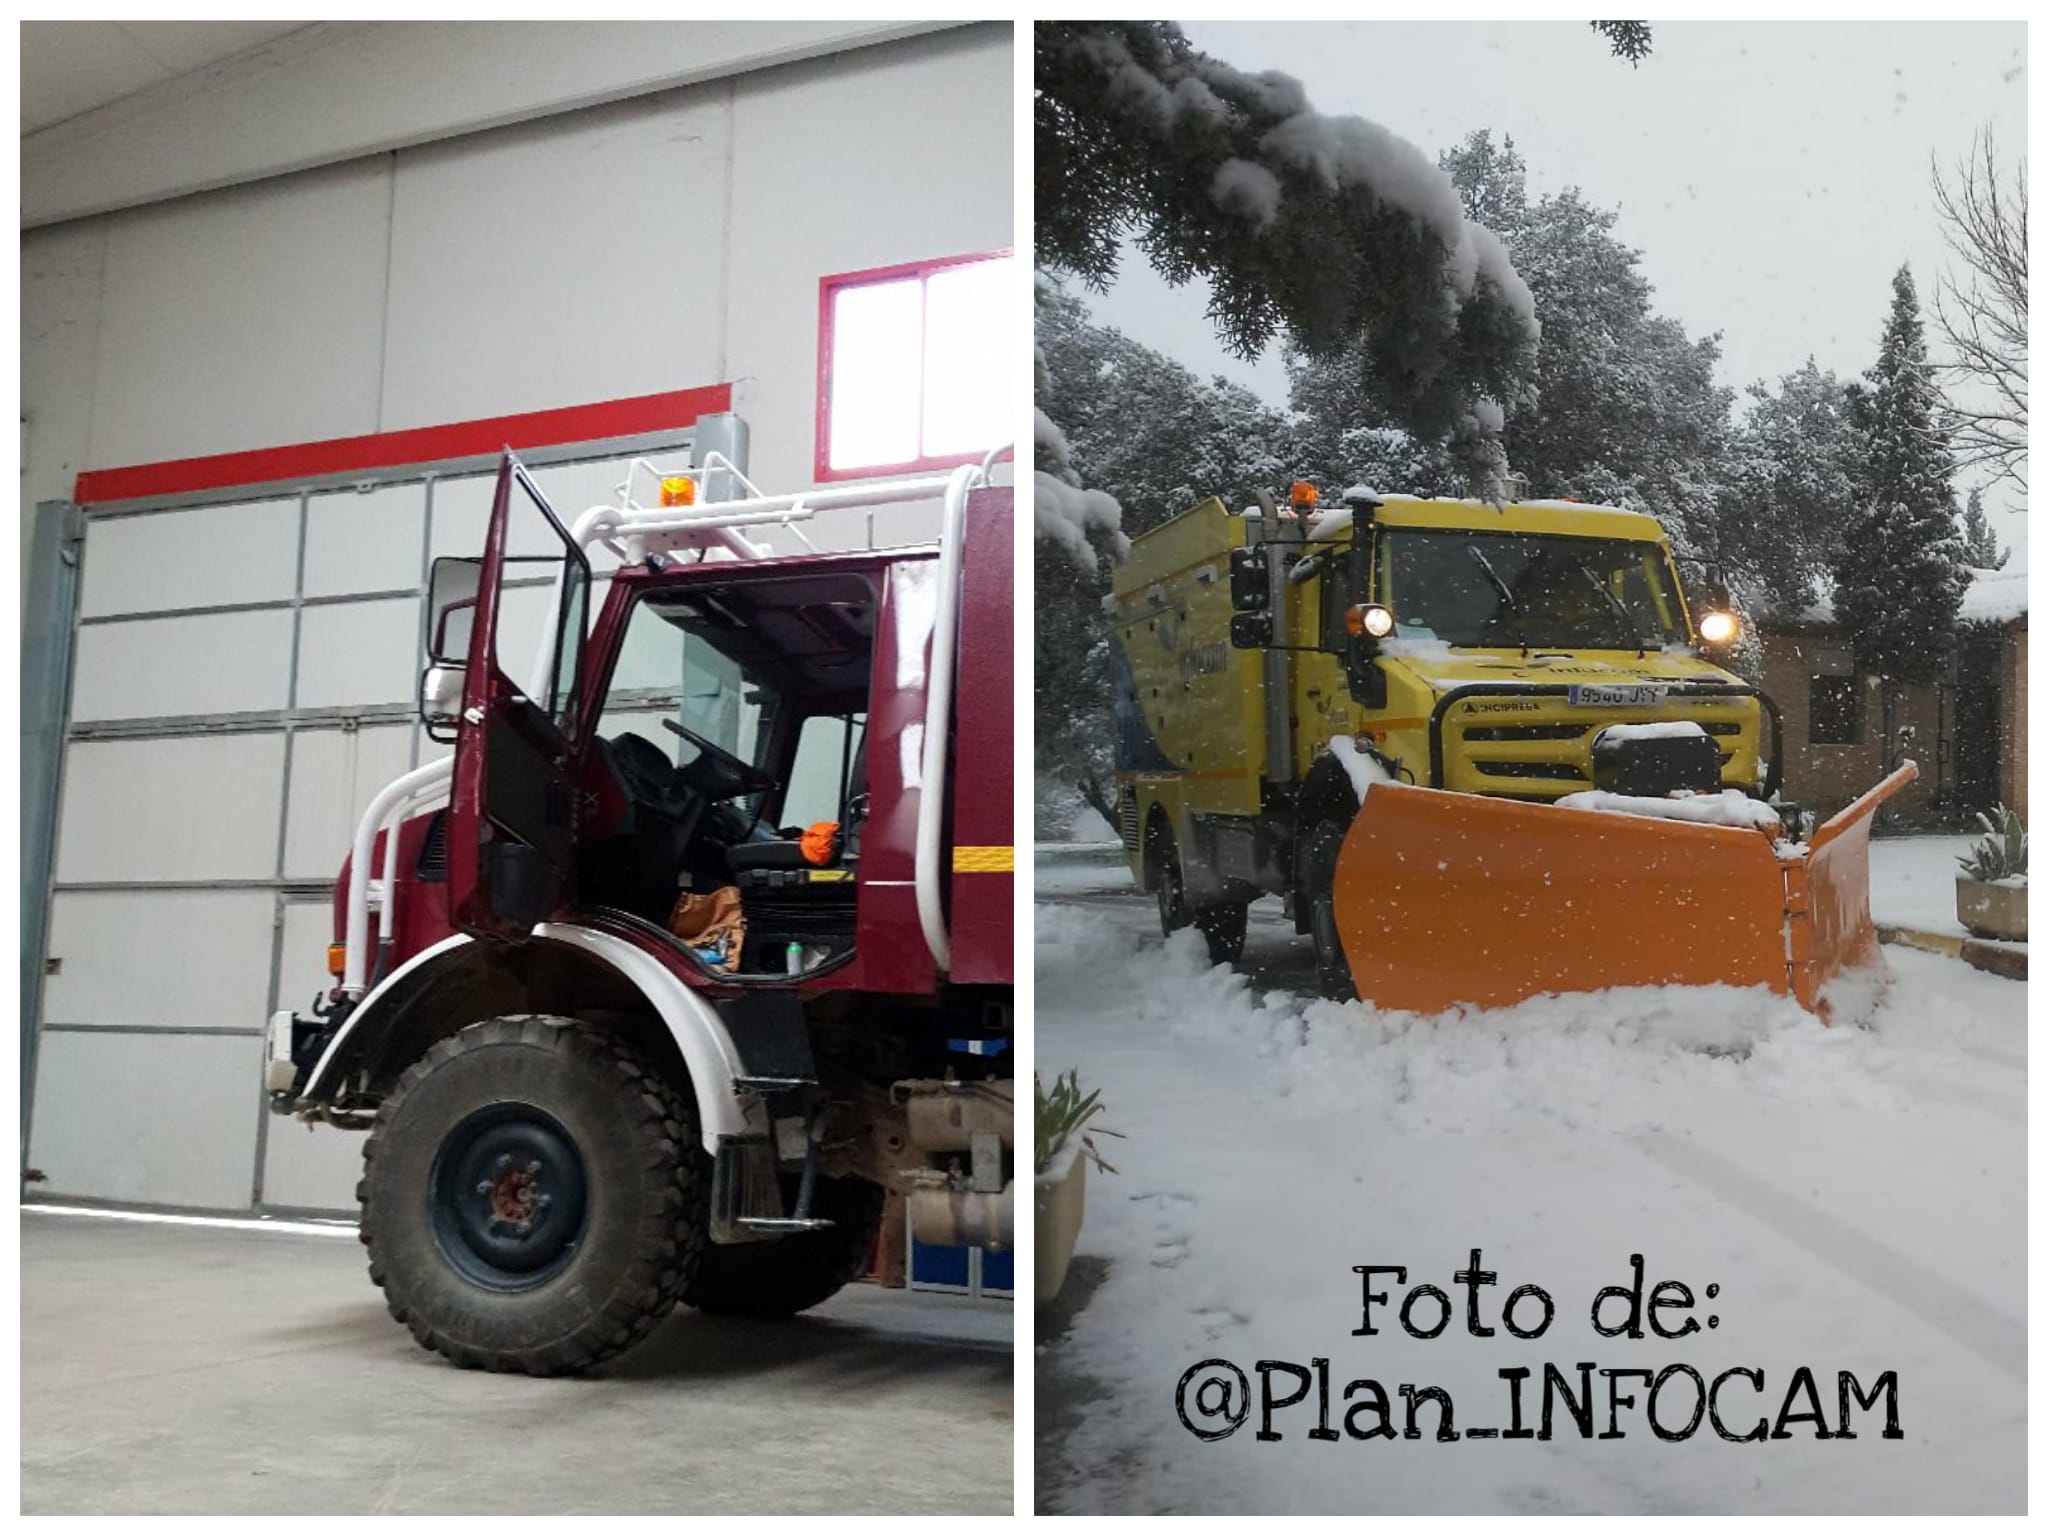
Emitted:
<point x="1617" y="695"/>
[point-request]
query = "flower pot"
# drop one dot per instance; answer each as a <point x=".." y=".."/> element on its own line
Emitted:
<point x="1058" y="1199"/>
<point x="1992" y="909"/>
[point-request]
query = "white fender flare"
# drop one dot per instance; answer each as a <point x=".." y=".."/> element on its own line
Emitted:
<point x="723" y="1112"/>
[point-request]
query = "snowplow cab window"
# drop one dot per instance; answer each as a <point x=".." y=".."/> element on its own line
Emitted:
<point x="1336" y="585"/>
<point x="1511" y="590"/>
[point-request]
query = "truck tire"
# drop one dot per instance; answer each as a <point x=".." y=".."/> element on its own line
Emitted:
<point x="1221" y="926"/>
<point x="1169" y="886"/>
<point x="793" y="1274"/>
<point x="533" y="1197"/>
<point x="1333" y="972"/>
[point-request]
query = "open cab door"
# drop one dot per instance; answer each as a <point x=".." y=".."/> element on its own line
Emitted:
<point x="517" y="620"/>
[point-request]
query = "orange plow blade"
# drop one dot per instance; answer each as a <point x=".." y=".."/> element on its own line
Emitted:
<point x="1444" y="899"/>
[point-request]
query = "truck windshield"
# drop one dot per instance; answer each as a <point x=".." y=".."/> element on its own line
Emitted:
<point x="672" y="664"/>
<point x="1546" y="591"/>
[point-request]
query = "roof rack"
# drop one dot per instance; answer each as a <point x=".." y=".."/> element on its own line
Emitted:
<point x="633" y="530"/>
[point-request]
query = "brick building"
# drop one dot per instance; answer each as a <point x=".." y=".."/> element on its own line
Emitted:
<point x="1967" y="730"/>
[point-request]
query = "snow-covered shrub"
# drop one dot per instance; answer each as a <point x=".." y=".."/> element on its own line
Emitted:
<point x="2001" y="853"/>
<point x="1061" y="1122"/>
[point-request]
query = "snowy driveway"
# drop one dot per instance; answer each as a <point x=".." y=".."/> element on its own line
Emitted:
<point x="1854" y="1196"/>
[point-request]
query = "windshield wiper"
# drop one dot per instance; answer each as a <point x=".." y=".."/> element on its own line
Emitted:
<point x="1507" y="597"/>
<point x="1631" y="632"/>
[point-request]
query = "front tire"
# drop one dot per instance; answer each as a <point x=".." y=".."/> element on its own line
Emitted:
<point x="533" y="1198"/>
<point x="795" y="1273"/>
<point x="1223" y="927"/>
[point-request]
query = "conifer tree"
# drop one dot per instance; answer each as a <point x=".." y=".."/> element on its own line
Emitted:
<point x="1899" y="573"/>
<point x="1980" y="544"/>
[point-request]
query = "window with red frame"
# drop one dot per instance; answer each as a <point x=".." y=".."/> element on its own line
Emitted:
<point x="910" y="365"/>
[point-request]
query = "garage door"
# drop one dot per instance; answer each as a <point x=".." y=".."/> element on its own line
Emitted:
<point x="243" y="673"/>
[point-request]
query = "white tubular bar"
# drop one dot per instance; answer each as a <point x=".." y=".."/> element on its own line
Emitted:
<point x="938" y="721"/>
<point x="421" y="796"/>
<point x="355" y="961"/>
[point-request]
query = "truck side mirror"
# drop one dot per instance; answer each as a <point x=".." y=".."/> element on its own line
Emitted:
<point x="1251" y="631"/>
<point x="451" y="608"/>
<point x="440" y="701"/>
<point x="1250" y="574"/>
<point x="1362" y="671"/>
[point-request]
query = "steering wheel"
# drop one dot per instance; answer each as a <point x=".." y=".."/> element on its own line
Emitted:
<point x="743" y="777"/>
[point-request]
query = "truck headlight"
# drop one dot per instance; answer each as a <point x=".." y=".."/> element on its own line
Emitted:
<point x="1370" y="619"/>
<point x="1719" y="627"/>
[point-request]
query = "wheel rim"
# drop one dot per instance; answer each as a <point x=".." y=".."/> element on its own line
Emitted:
<point x="508" y="1197"/>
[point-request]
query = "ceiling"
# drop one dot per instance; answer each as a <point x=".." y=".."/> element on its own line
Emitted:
<point x="69" y="67"/>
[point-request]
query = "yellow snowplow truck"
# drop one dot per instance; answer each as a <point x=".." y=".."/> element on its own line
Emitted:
<point x="1483" y="752"/>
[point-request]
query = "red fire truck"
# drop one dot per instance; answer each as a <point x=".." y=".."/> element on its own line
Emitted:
<point x="657" y="989"/>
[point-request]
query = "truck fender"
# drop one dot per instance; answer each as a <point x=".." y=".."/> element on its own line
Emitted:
<point x="693" y="1024"/>
<point x="1327" y="793"/>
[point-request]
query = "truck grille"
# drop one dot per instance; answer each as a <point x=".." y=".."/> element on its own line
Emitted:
<point x="1491" y="755"/>
<point x="1530" y="770"/>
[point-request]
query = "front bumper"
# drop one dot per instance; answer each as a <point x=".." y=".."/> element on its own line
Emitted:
<point x="292" y="1045"/>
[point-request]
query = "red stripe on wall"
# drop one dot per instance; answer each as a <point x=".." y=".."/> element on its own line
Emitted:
<point x="417" y="445"/>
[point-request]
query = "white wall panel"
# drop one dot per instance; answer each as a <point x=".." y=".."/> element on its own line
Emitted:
<point x="149" y="1119"/>
<point x="359" y="653"/>
<point x="162" y="959"/>
<point x="558" y="262"/>
<point x="188" y="808"/>
<point x="243" y="319"/>
<point x="365" y="541"/>
<point x="302" y="973"/>
<point x="312" y="1167"/>
<point x="203" y="664"/>
<point x="334" y="774"/>
<point x="462" y="517"/>
<point x="203" y="557"/>
<point x="840" y="165"/>
<point x="60" y="296"/>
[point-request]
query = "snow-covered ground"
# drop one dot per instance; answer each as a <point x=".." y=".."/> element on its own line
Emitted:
<point x="1855" y="1196"/>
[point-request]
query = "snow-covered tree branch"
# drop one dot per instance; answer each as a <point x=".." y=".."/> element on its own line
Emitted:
<point x="1328" y="230"/>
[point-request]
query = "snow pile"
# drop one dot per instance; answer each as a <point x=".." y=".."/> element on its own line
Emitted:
<point x="1653" y="730"/>
<point x="1608" y="1063"/>
<point x="1361" y="767"/>
<point x="1729" y="808"/>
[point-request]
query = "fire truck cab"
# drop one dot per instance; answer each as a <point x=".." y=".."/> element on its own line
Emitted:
<point x="657" y="989"/>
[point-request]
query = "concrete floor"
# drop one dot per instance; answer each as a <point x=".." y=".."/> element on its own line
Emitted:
<point x="191" y="1370"/>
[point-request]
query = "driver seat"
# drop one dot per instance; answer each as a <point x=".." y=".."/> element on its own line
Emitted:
<point x="771" y="856"/>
